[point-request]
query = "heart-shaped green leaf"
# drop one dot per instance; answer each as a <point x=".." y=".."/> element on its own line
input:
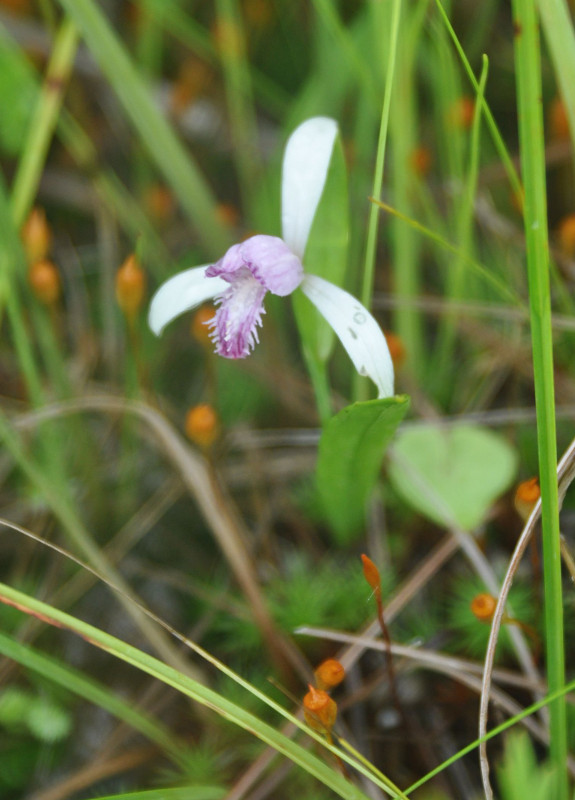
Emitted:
<point x="452" y="475"/>
<point x="351" y="450"/>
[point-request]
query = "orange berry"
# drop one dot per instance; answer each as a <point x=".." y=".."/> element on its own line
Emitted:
<point x="461" y="112"/>
<point x="420" y="160"/>
<point x="557" y="119"/>
<point x="36" y="235"/>
<point x="202" y="425"/>
<point x="371" y="573"/>
<point x="44" y="281"/>
<point x="566" y="234"/>
<point x="130" y="286"/>
<point x="320" y="711"/>
<point x="527" y="494"/>
<point x="200" y="325"/>
<point x="483" y="606"/>
<point x="330" y="673"/>
<point x="396" y="348"/>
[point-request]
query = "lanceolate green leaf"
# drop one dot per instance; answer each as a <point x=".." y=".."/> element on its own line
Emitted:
<point x="191" y="688"/>
<point x="351" y="451"/>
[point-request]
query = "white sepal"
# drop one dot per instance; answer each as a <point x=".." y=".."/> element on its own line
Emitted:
<point x="356" y="329"/>
<point x="305" y="167"/>
<point x="181" y="293"/>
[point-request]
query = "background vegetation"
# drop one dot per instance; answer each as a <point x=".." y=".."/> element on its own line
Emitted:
<point x="141" y="473"/>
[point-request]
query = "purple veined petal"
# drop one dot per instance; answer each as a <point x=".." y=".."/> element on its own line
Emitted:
<point x="356" y="329"/>
<point x="181" y="293"/>
<point x="305" y="166"/>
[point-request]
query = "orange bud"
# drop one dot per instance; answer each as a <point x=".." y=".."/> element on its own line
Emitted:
<point x="483" y="606"/>
<point x="371" y="573"/>
<point x="202" y="425"/>
<point x="557" y="119"/>
<point x="566" y="234"/>
<point x="159" y="202"/>
<point x="527" y="494"/>
<point x="200" y="325"/>
<point x="396" y="348"/>
<point x="227" y="214"/>
<point x="461" y="112"/>
<point x="258" y="13"/>
<point x="17" y="6"/>
<point x="420" y="161"/>
<point x="330" y="673"/>
<point x="44" y="281"/>
<point x="320" y="710"/>
<point x="193" y="79"/>
<point x="36" y="235"/>
<point x="130" y="286"/>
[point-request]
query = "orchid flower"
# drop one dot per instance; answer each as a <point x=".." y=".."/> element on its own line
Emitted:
<point x="239" y="281"/>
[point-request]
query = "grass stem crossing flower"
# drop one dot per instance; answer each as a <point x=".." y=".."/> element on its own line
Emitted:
<point x="239" y="281"/>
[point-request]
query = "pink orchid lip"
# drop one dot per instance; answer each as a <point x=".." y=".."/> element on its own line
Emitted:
<point x="268" y="258"/>
<point x="252" y="268"/>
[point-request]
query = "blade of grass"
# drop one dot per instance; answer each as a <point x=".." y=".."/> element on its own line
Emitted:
<point x="239" y="98"/>
<point x="197" y="39"/>
<point x="175" y="793"/>
<point x="89" y="689"/>
<point x="531" y="138"/>
<point x="51" y="486"/>
<point x="201" y="694"/>
<point x="495" y="282"/>
<point x="464" y="224"/>
<point x="162" y="143"/>
<point x="509" y="723"/>
<point x="360" y="384"/>
<point x="44" y="121"/>
<point x="406" y="252"/>
<point x="557" y="24"/>
<point x="489" y="118"/>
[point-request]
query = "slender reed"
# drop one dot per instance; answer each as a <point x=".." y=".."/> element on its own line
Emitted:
<point x="528" y="70"/>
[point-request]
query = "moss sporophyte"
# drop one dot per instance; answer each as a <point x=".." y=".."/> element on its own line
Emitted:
<point x="240" y="280"/>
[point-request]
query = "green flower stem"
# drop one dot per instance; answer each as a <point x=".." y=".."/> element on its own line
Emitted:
<point x="528" y="70"/>
<point x="44" y="121"/>
<point x="373" y="224"/>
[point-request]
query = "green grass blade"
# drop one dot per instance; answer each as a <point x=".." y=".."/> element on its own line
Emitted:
<point x="44" y="121"/>
<point x="557" y="24"/>
<point x="176" y="793"/>
<point x="76" y="682"/>
<point x="162" y="143"/>
<point x="528" y="70"/>
<point x="201" y="694"/>
<point x="489" y="118"/>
